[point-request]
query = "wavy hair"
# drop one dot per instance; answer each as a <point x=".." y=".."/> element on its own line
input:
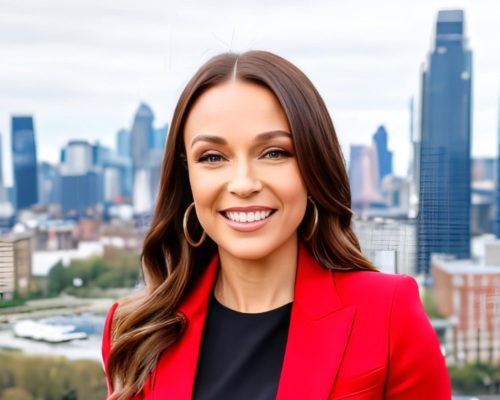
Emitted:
<point x="147" y="325"/>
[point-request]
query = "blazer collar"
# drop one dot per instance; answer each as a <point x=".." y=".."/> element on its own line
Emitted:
<point x="318" y="334"/>
<point x="319" y="331"/>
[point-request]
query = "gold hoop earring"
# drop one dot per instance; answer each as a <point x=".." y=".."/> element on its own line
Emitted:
<point x="315" y="222"/>
<point x="185" y="228"/>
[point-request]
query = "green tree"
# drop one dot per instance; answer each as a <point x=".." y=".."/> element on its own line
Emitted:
<point x="430" y="305"/>
<point x="474" y="378"/>
<point x="50" y="378"/>
<point x="117" y="269"/>
<point x="57" y="279"/>
<point x="16" y="393"/>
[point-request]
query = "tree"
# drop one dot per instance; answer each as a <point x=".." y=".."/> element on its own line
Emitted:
<point x="16" y="393"/>
<point x="57" y="279"/>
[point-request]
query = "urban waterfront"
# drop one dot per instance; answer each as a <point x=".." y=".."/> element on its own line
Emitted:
<point x="89" y="348"/>
<point x="75" y="350"/>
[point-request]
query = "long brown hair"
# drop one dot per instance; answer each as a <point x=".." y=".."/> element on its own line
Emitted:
<point x="146" y="326"/>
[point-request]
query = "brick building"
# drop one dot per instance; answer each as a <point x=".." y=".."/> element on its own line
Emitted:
<point x="467" y="292"/>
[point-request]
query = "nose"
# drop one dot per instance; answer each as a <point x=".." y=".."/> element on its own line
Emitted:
<point x="244" y="180"/>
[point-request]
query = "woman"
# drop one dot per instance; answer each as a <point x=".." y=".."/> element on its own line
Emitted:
<point x="256" y="287"/>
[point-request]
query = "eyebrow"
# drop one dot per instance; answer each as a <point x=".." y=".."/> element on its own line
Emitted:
<point x="261" y="137"/>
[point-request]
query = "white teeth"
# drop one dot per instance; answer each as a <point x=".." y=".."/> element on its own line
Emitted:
<point x="248" y="217"/>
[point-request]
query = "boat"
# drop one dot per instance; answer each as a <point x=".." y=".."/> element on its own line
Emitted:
<point x="30" y="329"/>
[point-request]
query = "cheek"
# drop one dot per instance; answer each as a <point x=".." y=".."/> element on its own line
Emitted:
<point x="204" y="186"/>
<point x="294" y="182"/>
<point x="293" y="192"/>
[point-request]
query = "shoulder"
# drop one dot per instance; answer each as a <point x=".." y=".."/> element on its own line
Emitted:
<point x="107" y="332"/>
<point x="376" y="287"/>
<point x="109" y="318"/>
<point x="371" y="280"/>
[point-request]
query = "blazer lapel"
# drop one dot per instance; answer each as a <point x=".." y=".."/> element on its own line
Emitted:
<point x="318" y="335"/>
<point x="176" y="370"/>
<point x="319" y="331"/>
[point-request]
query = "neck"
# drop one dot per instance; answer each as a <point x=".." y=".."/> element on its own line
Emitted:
<point x="254" y="286"/>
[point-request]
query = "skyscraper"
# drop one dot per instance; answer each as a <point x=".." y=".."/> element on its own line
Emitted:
<point x="49" y="184"/>
<point x="384" y="156"/>
<point x="6" y="209"/>
<point x="497" y="196"/>
<point x="444" y="194"/>
<point x="124" y="143"/>
<point x="3" y="192"/>
<point x="364" y="178"/>
<point x="158" y="138"/>
<point x="141" y="137"/>
<point x="24" y="162"/>
<point x="81" y="179"/>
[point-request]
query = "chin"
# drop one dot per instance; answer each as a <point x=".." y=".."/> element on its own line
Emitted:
<point x="249" y="253"/>
<point x="252" y="250"/>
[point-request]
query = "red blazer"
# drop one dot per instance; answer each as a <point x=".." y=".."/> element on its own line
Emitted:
<point x="353" y="335"/>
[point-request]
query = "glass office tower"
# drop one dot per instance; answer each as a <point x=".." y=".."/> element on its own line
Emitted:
<point x="497" y="222"/>
<point x="445" y="163"/>
<point x="384" y="156"/>
<point x="24" y="162"/>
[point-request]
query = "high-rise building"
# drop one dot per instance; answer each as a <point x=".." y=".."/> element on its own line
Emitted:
<point x="141" y="133"/>
<point x="118" y="178"/>
<point x="364" y="178"/>
<point x="396" y="192"/>
<point x="24" y="162"/>
<point x="497" y="192"/>
<point x="388" y="243"/>
<point x="384" y="156"/>
<point x="82" y="190"/>
<point x="124" y="143"/>
<point x="78" y="158"/>
<point x="158" y="138"/>
<point x="101" y="155"/>
<point x="81" y="195"/>
<point x="3" y="192"/>
<point x="414" y="165"/>
<point x="6" y="209"/>
<point x="141" y="136"/>
<point x="16" y="265"/>
<point x="49" y="184"/>
<point x="483" y="196"/>
<point x="483" y="169"/>
<point x="444" y="193"/>
<point x="124" y="163"/>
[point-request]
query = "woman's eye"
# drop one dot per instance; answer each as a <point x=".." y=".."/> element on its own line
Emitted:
<point x="210" y="158"/>
<point x="277" y="154"/>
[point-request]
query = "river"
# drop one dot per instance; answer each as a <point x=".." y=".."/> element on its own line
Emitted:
<point x="77" y="349"/>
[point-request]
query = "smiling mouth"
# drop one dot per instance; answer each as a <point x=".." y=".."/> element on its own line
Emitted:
<point x="247" y="216"/>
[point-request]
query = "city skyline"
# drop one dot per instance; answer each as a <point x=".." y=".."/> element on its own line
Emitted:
<point x="82" y="69"/>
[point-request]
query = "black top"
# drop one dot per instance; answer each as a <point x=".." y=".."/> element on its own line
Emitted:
<point x="241" y="354"/>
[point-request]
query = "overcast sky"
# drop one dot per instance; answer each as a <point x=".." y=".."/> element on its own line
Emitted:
<point x="82" y="67"/>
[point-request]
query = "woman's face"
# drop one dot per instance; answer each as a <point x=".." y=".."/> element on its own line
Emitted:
<point x="249" y="194"/>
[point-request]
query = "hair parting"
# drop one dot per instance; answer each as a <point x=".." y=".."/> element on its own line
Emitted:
<point x="235" y="69"/>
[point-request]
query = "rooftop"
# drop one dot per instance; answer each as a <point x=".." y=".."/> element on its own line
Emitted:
<point x="463" y="267"/>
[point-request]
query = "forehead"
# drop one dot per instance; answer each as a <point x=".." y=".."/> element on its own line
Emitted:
<point x="235" y="106"/>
